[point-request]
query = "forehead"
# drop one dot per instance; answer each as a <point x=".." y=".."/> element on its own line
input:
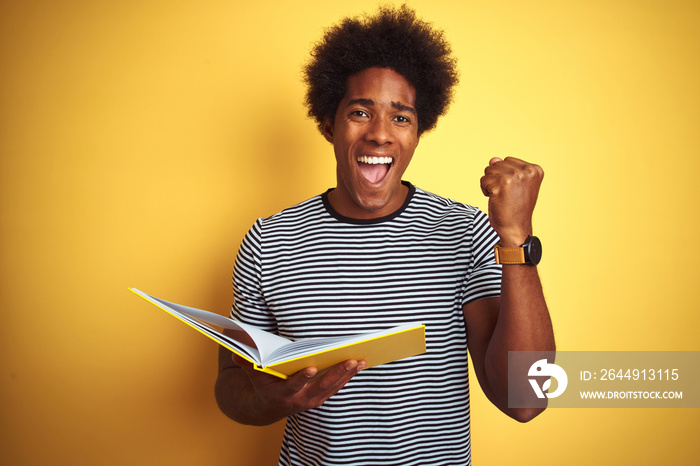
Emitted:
<point x="382" y="86"/>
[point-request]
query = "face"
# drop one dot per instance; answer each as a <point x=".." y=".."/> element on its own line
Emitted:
<point x="374" y="135"/>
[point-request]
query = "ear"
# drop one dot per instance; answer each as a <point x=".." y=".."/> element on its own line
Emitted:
<point x="328" y="129"/>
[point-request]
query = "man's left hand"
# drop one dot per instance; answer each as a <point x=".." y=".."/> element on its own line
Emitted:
<point x="512" y="186"/>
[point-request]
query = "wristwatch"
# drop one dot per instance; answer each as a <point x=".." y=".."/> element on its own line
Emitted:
<point x="529" y="253"/>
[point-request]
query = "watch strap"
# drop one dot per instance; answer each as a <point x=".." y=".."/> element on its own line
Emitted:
<point x="509" y="255"/>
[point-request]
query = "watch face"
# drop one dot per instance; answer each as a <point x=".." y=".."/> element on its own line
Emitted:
<point x="533" y="250"/>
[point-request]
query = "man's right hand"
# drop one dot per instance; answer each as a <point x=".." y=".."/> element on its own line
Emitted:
<point x="269" y="398"/>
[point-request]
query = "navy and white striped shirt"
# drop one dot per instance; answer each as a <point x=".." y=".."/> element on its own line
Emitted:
<point x="309" y="272"/>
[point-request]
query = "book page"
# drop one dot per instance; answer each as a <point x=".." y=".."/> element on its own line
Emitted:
<point x="248" y="352"/>
<point x="264" y="342"/>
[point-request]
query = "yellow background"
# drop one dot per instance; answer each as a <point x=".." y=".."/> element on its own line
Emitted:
<point x="140" y="139"/>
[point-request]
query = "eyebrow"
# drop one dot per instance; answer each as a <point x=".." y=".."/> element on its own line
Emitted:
<point x="396" y="105"/>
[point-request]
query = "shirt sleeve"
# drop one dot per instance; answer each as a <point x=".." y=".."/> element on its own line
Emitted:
<point x="249" y="303"/>
<point x="483" y="279"/>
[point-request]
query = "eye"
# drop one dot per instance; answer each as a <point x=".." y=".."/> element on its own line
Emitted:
<point x="402" y="119"/>
<point x="359" y="114"/>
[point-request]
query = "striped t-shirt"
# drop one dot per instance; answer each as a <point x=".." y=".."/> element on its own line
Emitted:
<point x="310" y="272"/>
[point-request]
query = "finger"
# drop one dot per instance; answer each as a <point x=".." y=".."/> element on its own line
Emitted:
<point x="489" y="185"/>
<point x="515" y="160"/>
<point x="521" y="169"/>
<point x="519" y="165"/>
<point x="301" y="379"/>
<point x="484" y="188"/>
<point x="329" y="382"/>
<point x="337" y="376"/>
<point x="500" y="167"/>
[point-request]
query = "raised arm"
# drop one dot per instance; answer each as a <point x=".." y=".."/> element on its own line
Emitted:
<point x="518" y="320"/>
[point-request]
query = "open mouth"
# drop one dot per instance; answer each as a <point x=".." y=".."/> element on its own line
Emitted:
<point x="374" y="169"/>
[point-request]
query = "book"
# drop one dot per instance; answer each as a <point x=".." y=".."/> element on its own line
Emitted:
<point x="283" y="357"/>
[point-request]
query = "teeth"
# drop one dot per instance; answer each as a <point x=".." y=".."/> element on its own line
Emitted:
<point x="375" y="160"/>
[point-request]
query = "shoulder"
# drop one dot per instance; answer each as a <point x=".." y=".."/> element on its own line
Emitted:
<point x="296" y="213"/>
<point x="293" y="222"/>
<point x="433" y="204"/>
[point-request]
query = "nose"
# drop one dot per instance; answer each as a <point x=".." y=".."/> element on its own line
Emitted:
<point x="379" y="131"/>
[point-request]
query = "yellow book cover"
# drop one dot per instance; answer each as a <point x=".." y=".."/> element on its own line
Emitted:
<point x="282" y="357"/>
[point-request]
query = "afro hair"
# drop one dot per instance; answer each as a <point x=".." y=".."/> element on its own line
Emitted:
<point x="394" y="39"/>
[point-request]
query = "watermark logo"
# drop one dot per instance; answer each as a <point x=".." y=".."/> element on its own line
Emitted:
<point x="542" y="368"/>
<point x="604" y="379"/>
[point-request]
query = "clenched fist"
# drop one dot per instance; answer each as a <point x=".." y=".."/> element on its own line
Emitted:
<point x="512" y="186"/>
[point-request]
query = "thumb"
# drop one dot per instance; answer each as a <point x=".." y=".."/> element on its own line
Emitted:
<point x="495" y="160"/>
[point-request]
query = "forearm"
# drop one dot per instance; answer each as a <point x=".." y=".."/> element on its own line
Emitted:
<point x="523" y="324"/>
<point x="523" y="320"/>
<point x="237" y="399"/>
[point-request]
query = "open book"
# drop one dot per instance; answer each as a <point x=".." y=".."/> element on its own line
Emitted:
<point x="282" y="357"/>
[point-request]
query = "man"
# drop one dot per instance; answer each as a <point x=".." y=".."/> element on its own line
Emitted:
<point x="376" y="251"/>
